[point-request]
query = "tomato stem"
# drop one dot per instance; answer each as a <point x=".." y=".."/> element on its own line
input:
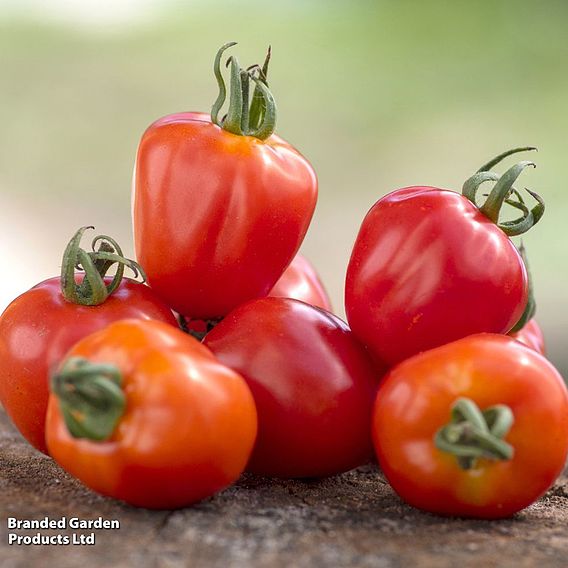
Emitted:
<point x="93" y="290"/>
<point x="498" y="159"/>
<point x="218" y="104"/>
<point x="233" y="121"/>
<point x="504" y="192"/>
<point x="90" y="397"/>
<point x="258" y="105"/>
<point x="530" y="308"/>
<point x="472" y="434"/>
<point x="245" y="116"/>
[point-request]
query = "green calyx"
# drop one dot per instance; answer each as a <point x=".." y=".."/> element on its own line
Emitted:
<point x="530" y="308"/>
<point x="473" y="434"/>
<point x="93" y="290"/>
<point x="504" y="192"/>
<point x="90" y="398"/>
<point x="246" y="116"/>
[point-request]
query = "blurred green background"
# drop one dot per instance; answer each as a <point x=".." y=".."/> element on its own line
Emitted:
<point x="377" y="94"/>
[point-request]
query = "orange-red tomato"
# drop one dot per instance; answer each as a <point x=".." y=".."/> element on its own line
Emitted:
<point x="414" y="402"/>
<point x="188" y="427"/>
<point x="531" y="334"/>
<point x="300" y="281"/>
<point x="217" y="216"/>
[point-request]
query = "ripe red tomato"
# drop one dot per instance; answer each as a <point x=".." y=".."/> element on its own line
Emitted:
<point x="430" y="267"/>
<point x="312" y="382"/>
<point x="176" y="425"/>
<point x="300" y="281"/>
<point x="486" y="464"/>
<point x="531" y="334"/>
<point x="219" y="210"/>
<point x="40" y="326"/>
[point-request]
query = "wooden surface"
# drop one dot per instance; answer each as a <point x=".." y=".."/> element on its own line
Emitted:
<point x="351" y="520"/>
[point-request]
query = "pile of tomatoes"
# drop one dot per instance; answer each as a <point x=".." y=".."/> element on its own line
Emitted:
<point x="227" y="357"/>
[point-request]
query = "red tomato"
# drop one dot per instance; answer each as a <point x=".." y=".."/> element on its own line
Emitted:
<point x="176" y="427"/>
<point x="312" y="382"/>
<point x="300" y="281"/>
<point x="40" y="326"/>
<point x="218" y="215"/>
<point x="531" y="334"/>
<point x="430" y="267"/>
<point x="509" y="465"/>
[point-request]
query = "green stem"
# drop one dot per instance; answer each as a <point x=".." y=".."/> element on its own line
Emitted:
<point x="530" y="308"/>
<point x="218" y="104"/>
<point x="472" y="185"/>
<point x="502" y="189"/>
<point x="502" y="192"/>
<point x="258" y="105"/>
<point x="245" y="86"/>
<point x="268" y="121"/>
<point x="494" y="161"/>
<point x="472" y="434"/>
<point x="91" y="399"/>
<point x="529" y="220"/>
<point x="245" y="117"/>
<point x="93" y="290"/>
<point x="233" y="122"/>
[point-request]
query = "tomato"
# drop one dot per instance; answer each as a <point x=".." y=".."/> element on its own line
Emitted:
<point x="301" y="282"/>
<point x="40" y="326"/>
<point x="312" y="382"/>
<point x="531" y="334"/>
<point x="429" y="267"/>
<point x="219" y="208"/>
<point x="510" y="455"/>
<point x="161" y="423"/>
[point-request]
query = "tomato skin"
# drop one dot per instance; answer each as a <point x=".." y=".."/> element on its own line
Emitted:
<point x="300" y="281"/>
<point x="217" y="217"/>
<point x="531" y="334"/>
<point x="189" y="426"/>
<point x="40" y="326"/>
<point x="313" y="385"/>
<point x="428" y="268"/>
<point x="414" y="401"/>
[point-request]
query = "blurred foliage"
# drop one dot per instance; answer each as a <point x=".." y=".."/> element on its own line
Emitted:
<point x="377" y="94"/>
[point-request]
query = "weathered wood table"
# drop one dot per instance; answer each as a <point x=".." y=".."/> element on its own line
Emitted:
<point x="351" y="520"/>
